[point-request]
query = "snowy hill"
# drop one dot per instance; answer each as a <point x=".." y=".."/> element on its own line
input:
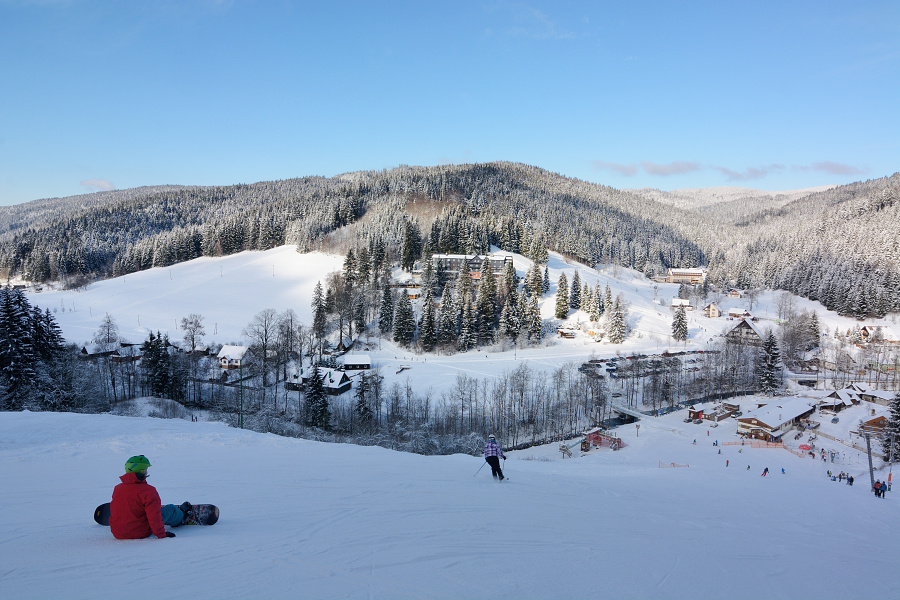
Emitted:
<point x="228" y="292"/>
<point x="302" y="519"/>
<point x="693" y="198"/>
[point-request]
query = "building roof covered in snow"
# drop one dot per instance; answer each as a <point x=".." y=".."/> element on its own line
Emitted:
<point x="778" y="413"/>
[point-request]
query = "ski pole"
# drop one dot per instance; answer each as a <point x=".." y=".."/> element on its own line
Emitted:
<point x="480" y="468"/>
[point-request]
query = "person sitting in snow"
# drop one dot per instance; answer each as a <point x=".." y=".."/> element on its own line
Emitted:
<point x="493" y="454"/>
<point x="136" y="512"/>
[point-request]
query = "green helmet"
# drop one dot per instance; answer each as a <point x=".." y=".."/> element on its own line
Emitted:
<point x="137" y="464"/>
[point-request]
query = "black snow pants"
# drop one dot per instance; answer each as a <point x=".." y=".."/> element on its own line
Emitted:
<point x="494" y="461"/>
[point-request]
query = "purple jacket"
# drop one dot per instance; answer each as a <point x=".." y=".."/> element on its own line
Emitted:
<point x="493" y="449"/>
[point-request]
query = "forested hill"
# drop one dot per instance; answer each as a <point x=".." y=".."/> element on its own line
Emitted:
<point x="453" y="208"/>
<point x="839" y="246"/>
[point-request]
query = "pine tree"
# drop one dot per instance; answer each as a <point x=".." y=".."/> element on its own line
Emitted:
<point x="362" y="408"/>
<point x="769" y="365"/>
<point x="317" y="412"/>
<point x="508" y="327"/>
<point x="534" y="321"/>
<point x="487" y="298"/>
<point x="404" y="321"/>
<point x="446" y="334"/>
<point x="428" y="323"/>
<point x="17" y="354"/>
<point x="386" y="315"/>
<point x="319" y="312"/>
<point x="562" y="297"/>
<point x="575" y="295"/>
<point x="510" y="279"/>
<point x="615" y="329"/>
<point x="545" y="285"/>
<point x="594" y="306"/>
<point x="679" y="325"/>
<point x="890" y="441"/>
<point x="466" y="339"/>
<point x="814" y="330"/>
<point x="411" y="246"/>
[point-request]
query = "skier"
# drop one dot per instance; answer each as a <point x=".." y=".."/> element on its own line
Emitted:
<point x="726" y="462"/>
<point x="782" y="470"/>
<point x="136" y="511"/>
<point x="765" y="471"/>
<point x="493" y="454"/>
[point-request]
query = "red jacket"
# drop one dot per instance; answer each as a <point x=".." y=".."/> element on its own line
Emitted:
<point x="135" y="510"/>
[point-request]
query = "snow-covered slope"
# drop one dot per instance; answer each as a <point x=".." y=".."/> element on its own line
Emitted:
<point x="302" y="519"/>
<point x="229" y="291"/>
<point x="692" y="198"/>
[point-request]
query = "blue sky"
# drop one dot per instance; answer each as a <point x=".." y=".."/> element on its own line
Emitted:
<point x="770" y="95"/>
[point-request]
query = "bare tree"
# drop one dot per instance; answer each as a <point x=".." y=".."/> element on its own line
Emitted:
<point x="106" y="338"/>
<point x="192" y="325"/>
<point x="263" y="334"/>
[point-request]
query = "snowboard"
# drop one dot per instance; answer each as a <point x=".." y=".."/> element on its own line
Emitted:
<point x="200" y="514"/>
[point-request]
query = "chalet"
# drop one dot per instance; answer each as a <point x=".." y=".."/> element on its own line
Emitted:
<point x="690" y="276"/>
<point x="712" y="311"/>
<point x="771" y="421"/>
<point x="681" y="302"/>
<point x="744" y="333"/>
<point x="334" y="381"/>
<point x="89" y="355"/>
<point x="568" y="334"/>
<point x="453" y="264"/>
<point x="357" y="362"/>
<point x="869" y="395"/>
<point x="231" y="357"/>
<point x="735" y="294"/>
<point x="839" y="399"/>
<point x="875" y="425"/>
<point x="738" y="313"/>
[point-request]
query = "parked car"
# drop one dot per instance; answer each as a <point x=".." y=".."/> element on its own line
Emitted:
<point x="834" y="419"/>
<point x="698" y="421"/>
<point x="688" y="419"/>
<point x="713" y="424"/>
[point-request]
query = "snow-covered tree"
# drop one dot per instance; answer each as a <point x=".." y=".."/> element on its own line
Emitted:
<point x="575" y="294"/>
<point x="769" y="365"/>
<point x="386" y="314"/>
<point x="679" y="325"/>
<point x="404" y="321"/>
<point x="317" y="412"/>
<point x="534" y="321"/>
<point x="615" y="327"/>
<point x="562" y="297"/>
<point x="890" y="442"/>
<point x="428" y="323"/>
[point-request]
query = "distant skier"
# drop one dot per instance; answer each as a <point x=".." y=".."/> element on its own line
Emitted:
<point x="136" y="511"/>
<point x="782" y="470"/>
<point x="493" y="454"/>
<point x="765" y="471"/>
<point x="726" y="462"/>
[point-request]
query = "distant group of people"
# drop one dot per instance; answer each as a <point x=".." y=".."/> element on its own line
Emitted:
<point x="841" y="477"/>
<point x="880" y="488"/>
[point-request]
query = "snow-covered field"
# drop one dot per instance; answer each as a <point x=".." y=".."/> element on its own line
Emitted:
<point x="229" y="291"/>
<point x="302" y="519"/>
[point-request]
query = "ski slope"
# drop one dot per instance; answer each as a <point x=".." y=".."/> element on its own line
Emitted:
<point x="302" y="519"/>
